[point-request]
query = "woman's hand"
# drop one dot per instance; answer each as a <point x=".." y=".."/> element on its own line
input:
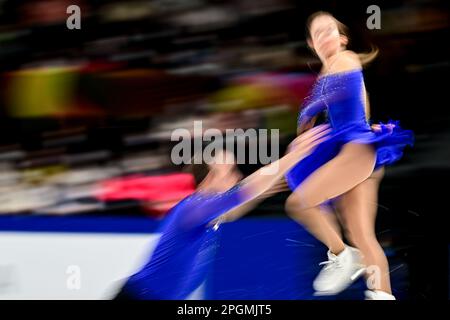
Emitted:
<point x="280" y="186"/>
<point x="377" y="127"/>
<point x="306" y="126"/>
<point x="307" y="141"/>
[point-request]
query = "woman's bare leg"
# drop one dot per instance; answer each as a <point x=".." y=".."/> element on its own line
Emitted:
<point x="333" y="219"/>
<point x="353" y="165"/>
<point x="357" y="211"/>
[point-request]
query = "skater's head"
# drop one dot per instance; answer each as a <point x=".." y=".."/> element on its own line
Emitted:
<point x="326" y="36"/>
<point x="218" y="173"/>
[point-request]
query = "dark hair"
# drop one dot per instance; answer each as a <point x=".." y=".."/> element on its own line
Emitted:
<point x="365" y="57"/>
<point x="199" y="171"/>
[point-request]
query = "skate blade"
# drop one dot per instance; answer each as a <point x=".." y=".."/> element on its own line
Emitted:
<point x="357" y="274"/>
<point x="324" y="293"/>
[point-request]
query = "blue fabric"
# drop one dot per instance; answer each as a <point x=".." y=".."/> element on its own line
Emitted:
<point x="181" y="259"/>
<point x="340" y="94"/>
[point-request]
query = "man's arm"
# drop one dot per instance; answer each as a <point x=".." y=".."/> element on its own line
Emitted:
<point x="254" y="188"/>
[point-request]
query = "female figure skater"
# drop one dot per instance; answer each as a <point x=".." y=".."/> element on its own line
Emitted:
<point x="342" y="163"/>
<point x="355" y="214"/>
<point x="181" y="258"/>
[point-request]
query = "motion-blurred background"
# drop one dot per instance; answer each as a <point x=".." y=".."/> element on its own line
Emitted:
<point x="86" y="115"/>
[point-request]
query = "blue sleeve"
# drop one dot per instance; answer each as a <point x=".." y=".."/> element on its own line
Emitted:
<point x="338" y="88"/>
<point x="311" y="110"/>
<point x="205" y="207"/>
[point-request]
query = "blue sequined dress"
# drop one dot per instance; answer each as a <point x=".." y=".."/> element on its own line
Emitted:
<point x="181" y="259"/>
<point x="341" y="95"/>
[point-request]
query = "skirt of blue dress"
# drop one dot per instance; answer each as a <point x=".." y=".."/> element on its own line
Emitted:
<point x="389" y="142"/>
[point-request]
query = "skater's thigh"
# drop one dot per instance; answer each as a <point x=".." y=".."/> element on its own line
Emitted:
<point x="354" y="164"/>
